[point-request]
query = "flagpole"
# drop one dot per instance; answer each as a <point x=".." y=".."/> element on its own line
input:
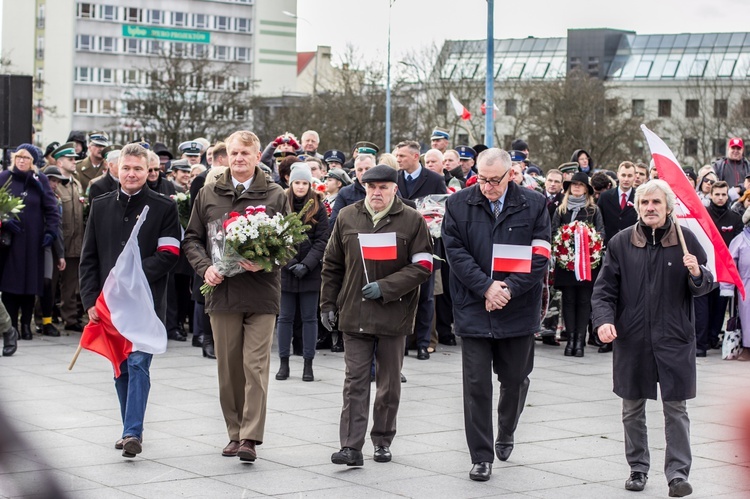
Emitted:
<point x="680" y="235"/>
<point x="75" y="357"/>
<point x="364" y="263"/>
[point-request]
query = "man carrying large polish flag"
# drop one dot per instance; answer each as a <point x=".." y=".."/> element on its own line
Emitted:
<point x="123" y="250"/>
<point x="691" y="213"/>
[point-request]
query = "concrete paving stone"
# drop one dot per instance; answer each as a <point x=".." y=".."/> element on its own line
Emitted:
<point x="589" y="470"/>
<point x="13" y="463"/>
<point x="195" y="487"/>
<point x="42" y="439"/>
<point x="187" y="426"/>
<point x="445" y="462"/>
<point x="277" y="482"/>
<point x="341" y="492"/>
<point x="526" y="479"/>
<point x="132" y="471"/>
<point x="443" y="486"/>
<point x="175" y="447"/>
<point x="586" y="425"/>
<point x="729" y="452"/>
<point x="371" y="474"/>
<point x="108" y="492"/>
<point x="52" y="415"/>
<point x="68" y="457"/>
<point x="592" y="446"/>
<point x="314" y="432"/>
<point x="298" y="456"/>
<point x="210" y="465"/>
<point x="32" y="483"/>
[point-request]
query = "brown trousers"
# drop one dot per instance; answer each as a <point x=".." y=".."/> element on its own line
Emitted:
<point x="242" y="342"/>
<point x="389" y="356"/>
<point x="69" y="286"/>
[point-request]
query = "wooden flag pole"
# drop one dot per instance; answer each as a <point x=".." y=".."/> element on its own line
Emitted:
<point x="75" y="357"/>
<point x="680" y="236"/>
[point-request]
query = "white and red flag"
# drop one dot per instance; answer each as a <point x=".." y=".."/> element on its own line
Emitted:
<point x="127" y="319"/>
<point x="378" y="246"/>
<point x="691" y="213"/>
<point x="517" y="258"/>
<point x="460" y="109"/>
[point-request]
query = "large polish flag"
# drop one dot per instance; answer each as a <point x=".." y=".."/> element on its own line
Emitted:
<point x="517" y="258"/>
<point x="378" y="246"/>
<point x="127" y="319"/>
<point x="692" y="214"/>
<point x="460" y="109"/>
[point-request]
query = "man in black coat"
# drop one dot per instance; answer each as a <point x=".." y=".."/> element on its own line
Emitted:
<point x="711" y="307"/>
<point x="110" y="223"/>
<point x="415" y="182"/>
<point x="643" y="303"/>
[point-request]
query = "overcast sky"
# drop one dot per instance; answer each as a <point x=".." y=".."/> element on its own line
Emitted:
<point x="415" y="23"/>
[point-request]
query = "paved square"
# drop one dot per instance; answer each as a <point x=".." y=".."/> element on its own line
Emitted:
<point x="569" y="441"/>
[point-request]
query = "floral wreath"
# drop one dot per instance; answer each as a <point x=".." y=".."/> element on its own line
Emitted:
<point x="564" y="250"/>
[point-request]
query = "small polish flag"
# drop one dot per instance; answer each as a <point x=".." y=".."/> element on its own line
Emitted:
<point x="127" y="319"/>
<point x="459" y="108"/>
<point x="517" y="258"/>
<point x="378" y="246"/>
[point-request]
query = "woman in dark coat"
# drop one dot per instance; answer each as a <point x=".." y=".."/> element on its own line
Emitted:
<point x="300" y="278"/>
<point x="577" y="204"/>
<point x="22" y="261"/>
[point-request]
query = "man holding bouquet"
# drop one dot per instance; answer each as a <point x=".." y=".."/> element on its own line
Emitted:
<point x="243" y="307"/>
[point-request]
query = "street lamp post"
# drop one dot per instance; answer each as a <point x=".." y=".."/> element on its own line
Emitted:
<point x="489" y="114"/>
<point x="388" y="85"/>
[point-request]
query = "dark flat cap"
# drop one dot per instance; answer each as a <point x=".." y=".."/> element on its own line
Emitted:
<point x="380" y="173"/>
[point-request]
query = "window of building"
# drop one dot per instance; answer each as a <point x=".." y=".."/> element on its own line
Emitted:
<point x="179" y="19"/>
<point x="40" y="47"/>
<point x="639" y="107"/>
<point x="83" y="42"/>
<point x="721" y="108"/>
<point x="244" y="84"/>
<point x="106" y="75"/>
<point x="242" y="25"/>
<point x="132" y="46"/>
<point x="221" y="52"/>
<point x="39" y="80"/>
<point x="200" y="51"/>
<point x="442" y="107"/>
<point x="516" y="70"/>
<point x="242" y="54"/>
<point x="130" y="76"/>
<point x="727" y="68"/>
<point x="82" y="106"/>
<point x="85" y="10"/>
<point x="643" y="69"/>
<point x="221" y="23"/>
<point x="692" y="108"/>
<point x="107" y="106"/>
<point x="698" y="67"/>
<point x="511" y="107"/>
<point x="108" y="12"/>
<point x="200" y="21"/>
<point x="83" y="75"/>
<point x="133" y="15"/>
<point x="156" y="16"/>
<point x="108" y="44"/>
<point x="670" y="68"/>
<point x="719" y="147"/>
<point x="130" y="107"/>
<point x="593" y="67"/>
<point x="179" y="50"/>
<point x="665" y="108"/>
<point x="690" y="147"/>
<point x="220" y="82"/>
<point x="154" y="47"/>
<point x="575" y="63"/>
<point x="540" y="70"/>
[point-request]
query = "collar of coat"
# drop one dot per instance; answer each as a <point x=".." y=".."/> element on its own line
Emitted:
<point x="398" y="206"/>
<point x="222" y="177"/>
<point x="638" y="238"/>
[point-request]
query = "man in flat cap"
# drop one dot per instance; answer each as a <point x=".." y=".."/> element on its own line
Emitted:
<point x="440" y="139"/>
<point x="70" y="194"/>
<point x="91" y="167"/>
<point x="386" y="245"/>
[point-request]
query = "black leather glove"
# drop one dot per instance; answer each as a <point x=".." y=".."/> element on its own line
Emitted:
<point x="372" y="291"/>
<point x="328" y="319"/>
<point x="49" y="238"/>
<point x="13" y="226"/>
<point x="299" y="270"/>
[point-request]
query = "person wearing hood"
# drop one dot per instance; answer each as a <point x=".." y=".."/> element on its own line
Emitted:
<point x="710" y="308"/>
<point x="585" y="163"/>
<point x="706" y="178"/>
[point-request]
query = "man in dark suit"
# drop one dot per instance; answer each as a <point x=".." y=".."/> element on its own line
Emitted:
<point x="553" y="190"/>
<point x="618" y="210"/>
<point x="416" y="182"/>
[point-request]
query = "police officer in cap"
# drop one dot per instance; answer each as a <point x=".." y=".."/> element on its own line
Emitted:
<point x="467" y="156"/>
<point x="191" y="150"/>
<point x="440" y="139"/>
<point x="334" y="158"/>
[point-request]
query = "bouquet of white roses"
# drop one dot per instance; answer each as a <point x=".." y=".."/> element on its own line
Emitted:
<point x="183" y="207"/>
<point x="255" y="237"/>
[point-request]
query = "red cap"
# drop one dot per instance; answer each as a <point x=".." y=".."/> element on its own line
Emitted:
<point x="736" y="142"/>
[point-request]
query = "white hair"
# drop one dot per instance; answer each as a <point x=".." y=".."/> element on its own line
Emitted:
<point x="653" y="186"/>
<point x="311" y="132"/>
<point x="435" y="152"/>
<point x="494" y="155"/>
<point x="113" y="156"/>
<point x="153" y="157"/>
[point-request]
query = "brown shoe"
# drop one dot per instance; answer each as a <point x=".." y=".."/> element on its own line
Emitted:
<point x="118" y="444"/>
<point x="131" y="446"/>
<point x="246" y="451"/>
<point x="231" y="449"/>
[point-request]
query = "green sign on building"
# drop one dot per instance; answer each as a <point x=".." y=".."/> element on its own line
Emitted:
<point x="174" y="35"/>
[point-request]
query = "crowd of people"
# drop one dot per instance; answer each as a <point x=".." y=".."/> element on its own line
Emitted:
<point x="521" y="255"/>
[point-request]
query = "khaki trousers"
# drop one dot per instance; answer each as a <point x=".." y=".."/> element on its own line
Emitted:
<point x="389" y="356"/>
<point x="242" y="342"/>
<point x="68" y="290"/>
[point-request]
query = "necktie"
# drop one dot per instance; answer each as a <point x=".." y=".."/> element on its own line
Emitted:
<point x="497" y="208"/>
<point x="240" y="189"/>
<point x="409" y="184"/>
<point x="623" y="201"/>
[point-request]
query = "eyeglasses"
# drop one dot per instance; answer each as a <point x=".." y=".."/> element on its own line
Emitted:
<point x="152" y="170"/>
<point x="492" y="182"/>
<point x="25" y="158"/>
<point x="709" y="181"/>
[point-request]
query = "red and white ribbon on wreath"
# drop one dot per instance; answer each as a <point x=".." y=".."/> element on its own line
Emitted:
<point x="583" y="253"/>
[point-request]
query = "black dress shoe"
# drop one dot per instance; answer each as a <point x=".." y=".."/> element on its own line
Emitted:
<point x="550" y="340"/>
<point x="208" y="350"/>
<point x="197" y="340"/>
<point x="77" y="327"/>
<point x="606" y="348"/>
<point x="348" y="456"/>
<point x="175" y="335"/>
<point x="382" y="454"/>
<point x="503" y="449"/>
<point x="700" y="353"/>
<point x="679" y="487"/>
<point x="50" y="330"/>
<point x="450" y="341"/>
<point x="10" y="342"/>
<point x="481" y="472"/>
<point x="423" y="354"/>
<point x="636" y="481"/>
<point x="403" y="378"/>
<point x="26" y="332"/>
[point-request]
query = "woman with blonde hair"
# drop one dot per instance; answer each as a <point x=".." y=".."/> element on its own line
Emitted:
<point x="706" y="178"/>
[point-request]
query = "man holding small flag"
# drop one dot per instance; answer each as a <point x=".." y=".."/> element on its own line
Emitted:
<point x="379" y="253"/>
<point x="127" y="253"/>
<point x="496" y="235"/>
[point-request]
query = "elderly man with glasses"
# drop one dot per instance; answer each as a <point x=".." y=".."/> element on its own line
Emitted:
<point x="496" y="235"/>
